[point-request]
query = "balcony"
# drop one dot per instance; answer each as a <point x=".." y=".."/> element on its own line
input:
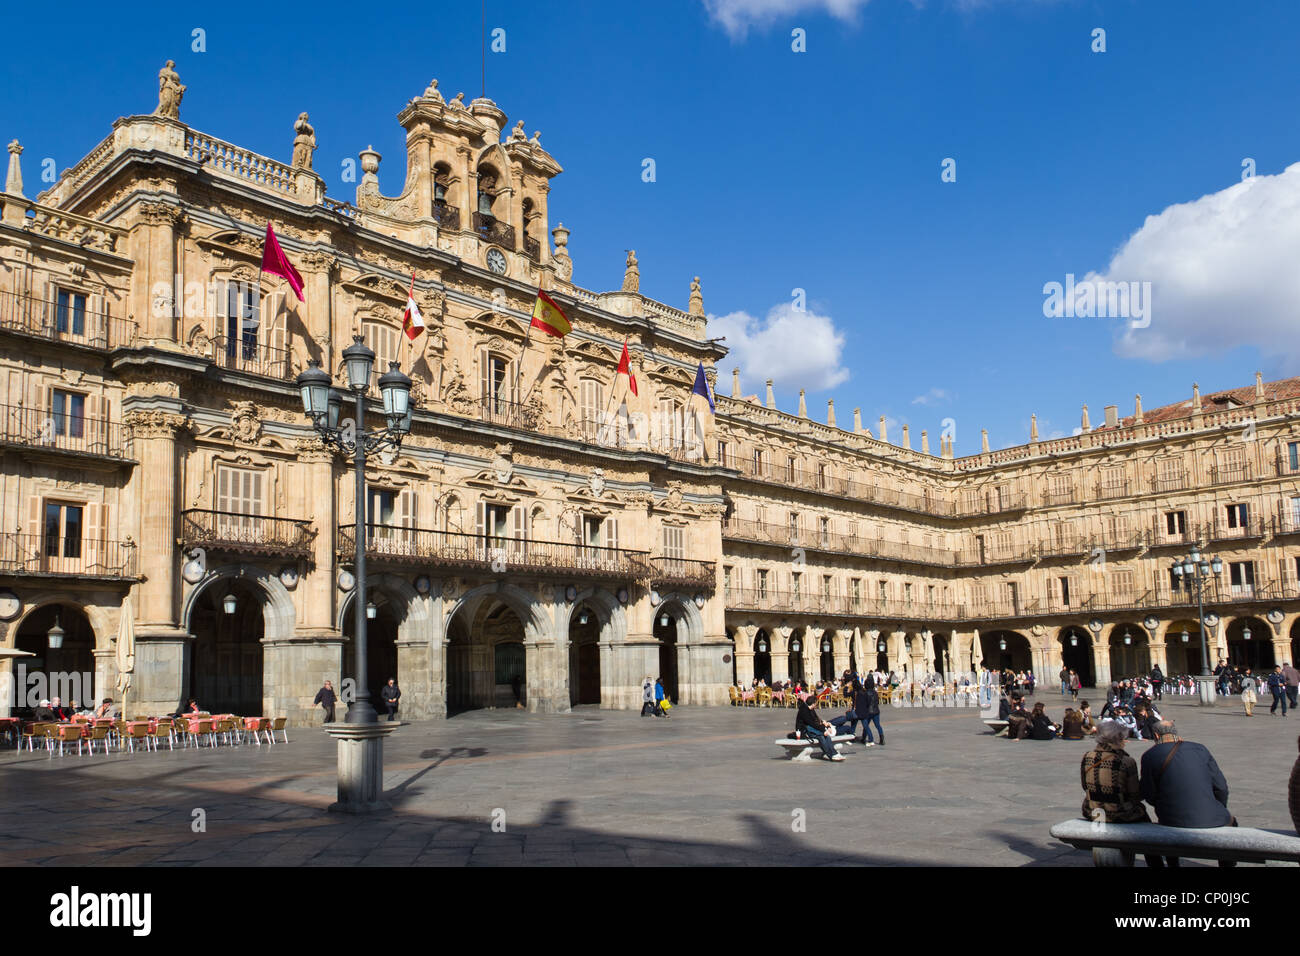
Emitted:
<point x="448" y="217"/>
<point x="1112" y="489"/>
<point x="532" y="248"/>
<point x="31" y="317"/>
<point x="496" y="411"/>
<point x="683" y="573"/>
<point x="73" y="435"/>
<point x="1252" y="527"/>
<point x="1059" y="496"/>
<point x="930" y="503"/>
<point x="40" y="556"/>
<point x="1170" y="481"/>
<point x="991" y="503"/>
<point x="245" y="533"/>
<point x="251" y="358"/>
<point x="783" y="535"/>
<point x="1227" y="474"/>
<point x="456" y="550"/>
<point x="795" y="602"/>
<point x="1288" y="522"/>
<point x="494" y="230"/>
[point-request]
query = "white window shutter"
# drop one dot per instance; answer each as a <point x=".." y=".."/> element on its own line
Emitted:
<point x="611" y="532"/>
<point x="485" y="378"/>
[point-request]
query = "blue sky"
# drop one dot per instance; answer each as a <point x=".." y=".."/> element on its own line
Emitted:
<point x="820" y="170"/>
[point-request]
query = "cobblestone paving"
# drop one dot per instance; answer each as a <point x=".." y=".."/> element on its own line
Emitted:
<point x="607" y="788"/>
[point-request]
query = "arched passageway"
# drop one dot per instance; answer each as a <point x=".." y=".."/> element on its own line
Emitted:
<point x="1250" y="644"/>
<point x="381" y="645"/>
<point x="225" y="662"/>
<point x="66" y="672"/>
<point x="1130" y="652"/>
<point x="1076" y="655"/>
<point x="584" y="656"/>
<point x="1007" y="650"/>
<point x="763" y="657"/>
<point x="487" y="664"/>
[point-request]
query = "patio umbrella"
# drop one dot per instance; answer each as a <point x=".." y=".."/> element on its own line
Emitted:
<point x="857" y="650"/>
<point x="125" y="651"/>
<point x="14" y="652"/>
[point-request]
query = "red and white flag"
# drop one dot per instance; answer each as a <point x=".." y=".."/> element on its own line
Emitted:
<point x="625" y="368"/>
<point x="412" y="321"/>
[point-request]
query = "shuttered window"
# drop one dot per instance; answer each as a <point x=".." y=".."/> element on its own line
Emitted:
<point x="239" y="499"/>
<point x="674" y="542"/>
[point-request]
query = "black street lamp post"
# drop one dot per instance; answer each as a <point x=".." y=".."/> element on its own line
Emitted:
<point x="1196" y="568"/>
<point x="361" y="736"/>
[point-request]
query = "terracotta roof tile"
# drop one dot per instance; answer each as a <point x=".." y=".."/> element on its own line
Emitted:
<point x="1280" y="390"/>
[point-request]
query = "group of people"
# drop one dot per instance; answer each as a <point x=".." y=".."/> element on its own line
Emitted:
<point x="654" y="701"/>
<point x="390" y="695"/>
<point x="1283" y="683"/>
<point x="1178" y="779"/>
<point x="864" y="708"/>
<point x="55" y="711"/>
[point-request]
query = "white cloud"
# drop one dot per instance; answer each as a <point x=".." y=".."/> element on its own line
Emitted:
<point x="1225" y="272"/>
<point x="934" y="396"/>
<point x="795" y="349"/>
<point x="737" y="16"/>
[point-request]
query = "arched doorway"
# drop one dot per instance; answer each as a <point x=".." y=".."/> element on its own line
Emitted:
<point x="66" y="672"/>
<point x="942" y="663"/>
<point x="1250" y="644"/>
<point x="763" y="657"/>
<point x="881" y="652"/>
<point x="225" y="672"/>
<point x="1076" y="655"/>
<point x="794" y="658"/>
<point x="826" y="656"/>
<point x="667" y="622"/>
<point x="584" y="656"/>
<point x="487" y="662"/>
<point x="1006" y="650"/>
<point x="1183" y="656"/>
<point x="1130" y="652"/>
<point x="381" y="645"/>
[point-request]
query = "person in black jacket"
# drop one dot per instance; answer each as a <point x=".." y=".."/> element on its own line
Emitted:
<point x="1112" y="699"/>
<point x="808" y="723"/>
<point x="851" y="715"/>
<point x="1157" y="682"/>
<point x="1040" y="725"/>
<point x="1183" y="783"/>
<point x="866" y="704"/>
<point x="390" y="695"/>
<point x="326" y="698"/>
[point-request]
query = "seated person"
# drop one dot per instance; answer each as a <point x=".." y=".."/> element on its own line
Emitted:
<point x="1183" y="783"/>
<point x="44" y="713"/>
<point x="1040" y="725"/>
<point x="105" y="708"/>
<point x="1004" y="707"/>
<point x="60" y="712"/>
<point x="1124" y="717"/>
<point x="808" y="723"/>
<point x="1145" y="722"/>
<point x="1018" y="719"/>
<point x="1085" y="716"/>
<point x="1072" y="725"/>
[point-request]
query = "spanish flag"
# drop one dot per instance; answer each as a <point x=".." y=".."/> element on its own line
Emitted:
<point x="549" y="317"/>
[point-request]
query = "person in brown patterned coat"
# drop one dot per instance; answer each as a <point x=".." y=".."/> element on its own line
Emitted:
<point x="1112" y="793"/>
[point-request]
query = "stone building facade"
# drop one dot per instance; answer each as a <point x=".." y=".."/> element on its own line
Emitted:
<point x="541" y="531"/>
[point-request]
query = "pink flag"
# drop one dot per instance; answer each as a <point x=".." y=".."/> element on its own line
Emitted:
<point x="277" y="263"/>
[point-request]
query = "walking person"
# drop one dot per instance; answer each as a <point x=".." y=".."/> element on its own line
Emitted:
<point x="1065" y="680"/>
<point x="1076" y="685"/>
<point x="1157" y="681"/>
<point x="1248" y="687"/>
<point x="326" y="698"/>
<point x="390" y="695"/>
<point x="1277" y="687"/>
<point x="661" y="699"/>
<point x="648" y="698"/>
<point x="866" y="704"/>
<point x="1292" y="683"/>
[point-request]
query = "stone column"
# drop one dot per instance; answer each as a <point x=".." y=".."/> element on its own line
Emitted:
<point x="154" y="435"/>
<point x="546" y="666"/>
<point x="1159" y="656"/>
<point x="897" y="650"/>
<point x="1101" y="661"/>
<point x="841" y="642"/>
<point x="317" y="609"/>
<point x="780" y="653"/>
<point x="154" y="296"/>
<point x="744" y="652"/>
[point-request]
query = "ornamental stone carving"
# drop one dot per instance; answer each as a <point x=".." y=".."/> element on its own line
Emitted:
<point x="304" y="143"/>
<point x="597" y="481"/>
<point x="245" y="425"/>
<point x="153" y="423"/>
<point x="502" y="466"/>
<point x="632" y="274"/>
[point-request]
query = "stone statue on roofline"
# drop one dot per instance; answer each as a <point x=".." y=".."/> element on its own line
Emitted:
<point x="432" y="92"/>
<point x="517" y="134"/>
<point x="170" y="92"/>
<point x="697" y="298"/>
<point x="632" y="275"/>
<point x="304" y="144"/>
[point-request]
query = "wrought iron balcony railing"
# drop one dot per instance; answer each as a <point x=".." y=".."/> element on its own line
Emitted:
<point x="252" y="358"/>
<point x="532" y="248"/>
<point x="818" y="540"/>
<point x="64" y="321"/>
<point x="1174" y="481"/>
<point x="1222" y="530"/>
<point x="74" y="434"/>
<point x="447" y="216"/>
<point x="683" y="573"/>
<point x="839" y="604"/>
<point x="1112" y="489"/>
<point x="49" y="555"/>
<point x="1227" y="474"/>
<point x="256" y="534"/>
<point x="494" y="230"/>
<point x="497" y="554"/>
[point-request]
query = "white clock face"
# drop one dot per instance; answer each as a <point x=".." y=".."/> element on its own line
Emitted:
<point x="10" y="606"/>
<point x="496" y="261"/>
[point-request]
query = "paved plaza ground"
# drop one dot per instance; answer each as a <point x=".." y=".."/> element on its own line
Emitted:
<point x="608" y="788"/>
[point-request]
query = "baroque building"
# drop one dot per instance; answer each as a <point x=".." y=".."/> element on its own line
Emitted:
<point x="541" y="531"/>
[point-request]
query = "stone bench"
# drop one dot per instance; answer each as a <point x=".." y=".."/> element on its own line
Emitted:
<point x="805" y="748"/>
<point x="999" y="727"/>
<point x="1115" y="844"/>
